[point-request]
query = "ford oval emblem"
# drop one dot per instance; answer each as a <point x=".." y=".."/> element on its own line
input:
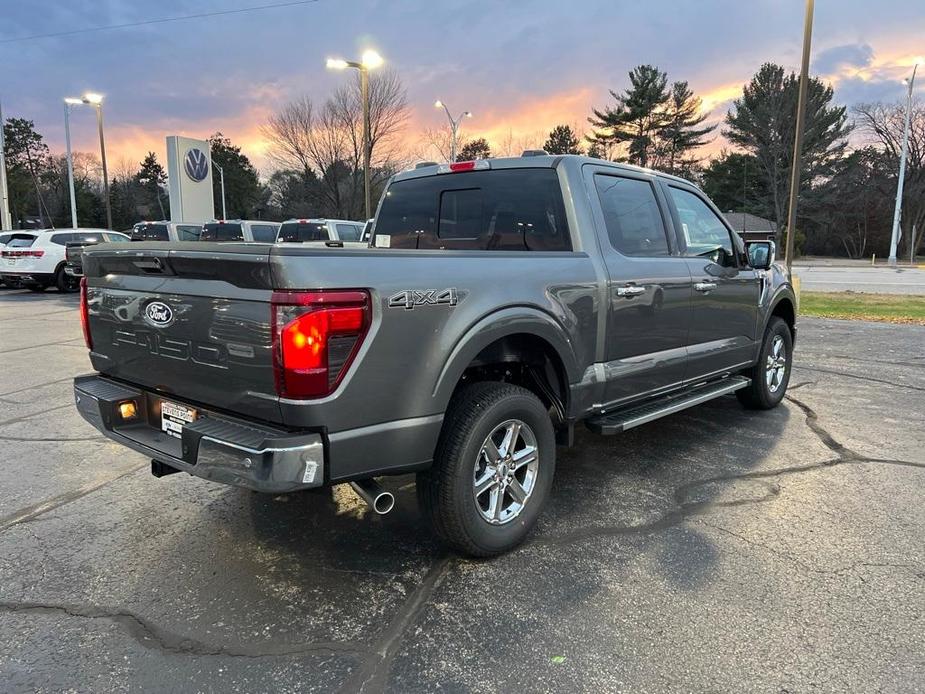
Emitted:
<point x="158" y="314"/>
<point x="196" y="164"/>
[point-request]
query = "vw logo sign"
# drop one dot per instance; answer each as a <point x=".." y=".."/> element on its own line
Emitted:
<point x="158" y="314"/>
<point x="196" y="164"/>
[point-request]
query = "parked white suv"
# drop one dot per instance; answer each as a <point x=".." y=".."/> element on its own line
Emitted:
<point x="240" y="230"/>
<point x="319" y="231"/>
<point x="36" y="259"/>
<point x="166" y="231"/>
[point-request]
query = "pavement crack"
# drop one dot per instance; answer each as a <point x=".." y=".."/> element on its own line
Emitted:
<point x="812" y="421"/>
<point x="154" y="637"/>
<point x="374" y="673"/>
<point x="869" y="379"/>
<point x="30" y="512"/>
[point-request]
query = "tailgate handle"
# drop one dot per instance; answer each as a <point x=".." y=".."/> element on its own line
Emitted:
<point x="149" y="265"/>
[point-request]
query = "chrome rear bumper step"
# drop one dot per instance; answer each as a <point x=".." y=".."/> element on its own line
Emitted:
<point x="621" y="420"/>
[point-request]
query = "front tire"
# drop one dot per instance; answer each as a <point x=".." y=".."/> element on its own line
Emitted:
<point x="771" y="375"/>
<point x="492" y="470"/>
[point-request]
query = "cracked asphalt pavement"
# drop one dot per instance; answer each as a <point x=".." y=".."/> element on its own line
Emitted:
<point x="717" y="549"/>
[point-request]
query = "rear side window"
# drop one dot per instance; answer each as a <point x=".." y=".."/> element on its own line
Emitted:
<point x="21" y="241"/>
<point x="631" y="214"/>
<point x="63" y="239"/>
<point x="298" y="232"/>
<point x="347" y="232"/>
<point x="88" y="238"/>
<point x="264" y="233"/>
<point x="189" y="232"/>
<point x="116" y="238"/>
<point x="215" y="231"/>
<point x="505" y="210"/>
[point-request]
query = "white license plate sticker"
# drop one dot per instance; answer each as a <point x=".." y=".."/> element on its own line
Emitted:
<point x="174" y="417"/>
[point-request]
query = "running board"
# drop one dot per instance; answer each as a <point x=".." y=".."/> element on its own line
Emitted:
<point x="616" y="422"/>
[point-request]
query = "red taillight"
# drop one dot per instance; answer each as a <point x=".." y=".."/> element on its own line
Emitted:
<point x="23" y="254"/>
<point x="462" y="166"/>
<point x="316" y="336"/>
<point x="85" y="313"/>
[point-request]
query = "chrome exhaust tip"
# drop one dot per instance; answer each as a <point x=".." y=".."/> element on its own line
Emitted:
<point x="377" y="498"/>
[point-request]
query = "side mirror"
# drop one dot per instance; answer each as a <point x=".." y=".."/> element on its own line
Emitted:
<point x="762" y="254"/>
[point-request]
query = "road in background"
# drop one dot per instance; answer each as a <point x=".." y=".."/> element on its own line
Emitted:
<point x="714" y="550"/>
<point x="871" y="280"/>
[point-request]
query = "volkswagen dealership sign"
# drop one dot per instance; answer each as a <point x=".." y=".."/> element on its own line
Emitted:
<point x="196" y="163"/>
<point x="189" y="178"/>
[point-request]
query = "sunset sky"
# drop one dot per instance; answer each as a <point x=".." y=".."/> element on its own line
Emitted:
<point x="521" y="66"/>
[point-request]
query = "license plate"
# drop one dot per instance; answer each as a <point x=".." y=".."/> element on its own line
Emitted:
<point x="174" y="417"/>
<point x="10" y="262"/>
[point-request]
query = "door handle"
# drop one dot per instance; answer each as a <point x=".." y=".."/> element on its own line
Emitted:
<point x="630" y="290"/>
<point x="704" y="286"/>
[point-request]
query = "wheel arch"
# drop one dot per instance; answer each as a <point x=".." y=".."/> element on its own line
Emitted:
<point x="525" y="340"/>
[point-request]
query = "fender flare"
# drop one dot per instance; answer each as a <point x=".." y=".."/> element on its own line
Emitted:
<point x="512" y="320"/>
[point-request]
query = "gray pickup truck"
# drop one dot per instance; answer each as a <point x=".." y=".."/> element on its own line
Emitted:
<point x="501" y="302"/>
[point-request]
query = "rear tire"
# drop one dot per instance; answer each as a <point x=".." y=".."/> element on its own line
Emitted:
<point x="64" y="282"/>
<point x="497" y="438"/>
<point x="771" y="375"/>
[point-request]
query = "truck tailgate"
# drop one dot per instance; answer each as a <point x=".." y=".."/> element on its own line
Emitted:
<point x="191" y="322"/>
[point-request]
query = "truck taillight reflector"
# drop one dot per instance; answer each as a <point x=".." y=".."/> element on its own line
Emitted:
<point x="85" y="313"/>
<point x="316" y="336"/>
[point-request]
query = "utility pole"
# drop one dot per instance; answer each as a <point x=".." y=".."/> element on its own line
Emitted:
<point x="5" y="221"/>
<point x="798" y="139"/>
<point x="897" y="210"/>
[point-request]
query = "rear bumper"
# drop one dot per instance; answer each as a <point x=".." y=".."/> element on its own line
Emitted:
<point x="74" y="270"/>
<point x="213" y="447"/>
<point x="231" y="451"/>
<point x="28" y="277"/>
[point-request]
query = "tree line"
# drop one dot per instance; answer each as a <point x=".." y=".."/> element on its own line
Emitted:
<point x="848" y="174"/>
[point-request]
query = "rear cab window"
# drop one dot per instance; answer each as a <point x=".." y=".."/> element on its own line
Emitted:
<point x="264" y="233"/>
<point x="219" y="231"/>
<point x="300" y="232"/>
<point x="150" y="232"/>
<point x="518" y="209"/>
<point x="347" y="232"/>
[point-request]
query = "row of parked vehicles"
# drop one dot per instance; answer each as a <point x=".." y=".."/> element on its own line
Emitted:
<point x="498" y="304"/>
<point x="43" y="258"/>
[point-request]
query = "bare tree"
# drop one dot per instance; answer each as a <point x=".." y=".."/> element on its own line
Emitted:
<point x="884" y="125"/>
<point x="326" y="144"/>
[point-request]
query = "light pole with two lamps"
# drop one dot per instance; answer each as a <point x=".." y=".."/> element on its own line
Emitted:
<point x="96" y="101"/>
<point x="454" y="126"/>
<point x="368" y="61"/>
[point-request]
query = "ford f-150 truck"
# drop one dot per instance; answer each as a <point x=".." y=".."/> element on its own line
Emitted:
<point x="500" y="303"/>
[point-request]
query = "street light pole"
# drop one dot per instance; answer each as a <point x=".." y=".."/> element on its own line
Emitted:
<point x="99" y="125"/>
<point x="5" y="222"/>
<point x="221" y="174"/>
<point x="70" y="158"/>
<point x="798" y="138"/>
<point x="454" y="126"/>
<point x="897" y="210"/>
<point x="364" y="96"/>
<point x="370" y="60"/>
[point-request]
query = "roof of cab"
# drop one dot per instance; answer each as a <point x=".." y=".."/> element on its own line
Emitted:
<point x="542" y="161"/>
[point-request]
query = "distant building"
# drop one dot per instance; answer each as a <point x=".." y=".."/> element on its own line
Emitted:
<point x="751" y="227"/>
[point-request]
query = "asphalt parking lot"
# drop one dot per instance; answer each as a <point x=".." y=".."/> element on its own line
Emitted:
<point x="717" y="549"/>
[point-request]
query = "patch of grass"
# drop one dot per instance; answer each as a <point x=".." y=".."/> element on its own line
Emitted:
<point x="889" y="308"/>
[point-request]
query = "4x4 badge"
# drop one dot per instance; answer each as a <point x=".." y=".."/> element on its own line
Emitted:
<point x="409" y="298"/>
